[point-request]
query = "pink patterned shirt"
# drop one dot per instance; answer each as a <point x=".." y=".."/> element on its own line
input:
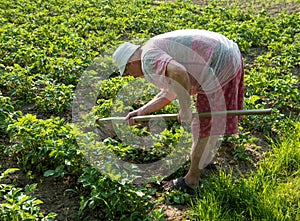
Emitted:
<point x="210" y="58"/>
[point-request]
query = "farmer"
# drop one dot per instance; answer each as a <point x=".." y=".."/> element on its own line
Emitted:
<point x="187" y="63"/>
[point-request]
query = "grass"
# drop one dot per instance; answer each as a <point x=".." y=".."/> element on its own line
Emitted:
<point x="272" y="192"/>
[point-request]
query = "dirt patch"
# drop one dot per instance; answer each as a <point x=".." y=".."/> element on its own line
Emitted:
<point x="53" y="192"/>
<point x="58" y="197"/>
<point x="174" y="212"/>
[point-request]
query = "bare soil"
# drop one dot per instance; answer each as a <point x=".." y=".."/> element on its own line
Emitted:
<point x="52" y="191"/>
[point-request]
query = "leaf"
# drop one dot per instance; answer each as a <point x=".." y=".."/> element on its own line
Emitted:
<point x="49" y="173"/>
<point x="8" y="171"/>
<point x="30" y="188"/>
<point x="22" y="199"/>
<point x="38" y="201"/>
<point x="253" y="99"/>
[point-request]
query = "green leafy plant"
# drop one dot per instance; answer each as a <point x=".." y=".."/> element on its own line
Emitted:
<point x="7" y="113"/>
<point x="125" y="202"/>
<point x="19" y="83"/>
<point x="55" y="98"/>
<point x="45" y="144"/>
<point x="18" y="203"/>
<point x="177" y="197"/>
<point x="241" y="142"/>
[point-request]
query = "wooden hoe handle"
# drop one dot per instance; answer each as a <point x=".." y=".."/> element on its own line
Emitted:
<point x="201" y="115"/>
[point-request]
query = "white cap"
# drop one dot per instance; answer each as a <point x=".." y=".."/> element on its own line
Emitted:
<point x="123" y="54"/>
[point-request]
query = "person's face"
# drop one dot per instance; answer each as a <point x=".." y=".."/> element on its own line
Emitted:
<point x="132" y="68"/>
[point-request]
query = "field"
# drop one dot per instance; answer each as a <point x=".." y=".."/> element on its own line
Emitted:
<point x="55" y="57"/>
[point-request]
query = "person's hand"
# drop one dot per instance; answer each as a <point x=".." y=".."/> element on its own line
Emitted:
<point x="130" y="115"/>
<point x="185" y="116"/>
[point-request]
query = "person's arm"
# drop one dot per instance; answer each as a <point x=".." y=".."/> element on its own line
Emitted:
<point x="161" y="100"/>
<point x="180" y="85"/>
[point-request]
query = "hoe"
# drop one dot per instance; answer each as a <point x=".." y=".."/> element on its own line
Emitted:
<point x="106" y="124"/>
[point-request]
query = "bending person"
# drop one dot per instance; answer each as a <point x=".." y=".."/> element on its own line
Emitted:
<point x="187" y="63"/>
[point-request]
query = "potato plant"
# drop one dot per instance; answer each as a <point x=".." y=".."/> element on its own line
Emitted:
<point x="55" y="98"/>
<point x="19" y="204"/>
<point x="7" y="113"/>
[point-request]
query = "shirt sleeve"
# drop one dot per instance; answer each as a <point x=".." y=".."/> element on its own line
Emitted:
<point x="154" y="66"/>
